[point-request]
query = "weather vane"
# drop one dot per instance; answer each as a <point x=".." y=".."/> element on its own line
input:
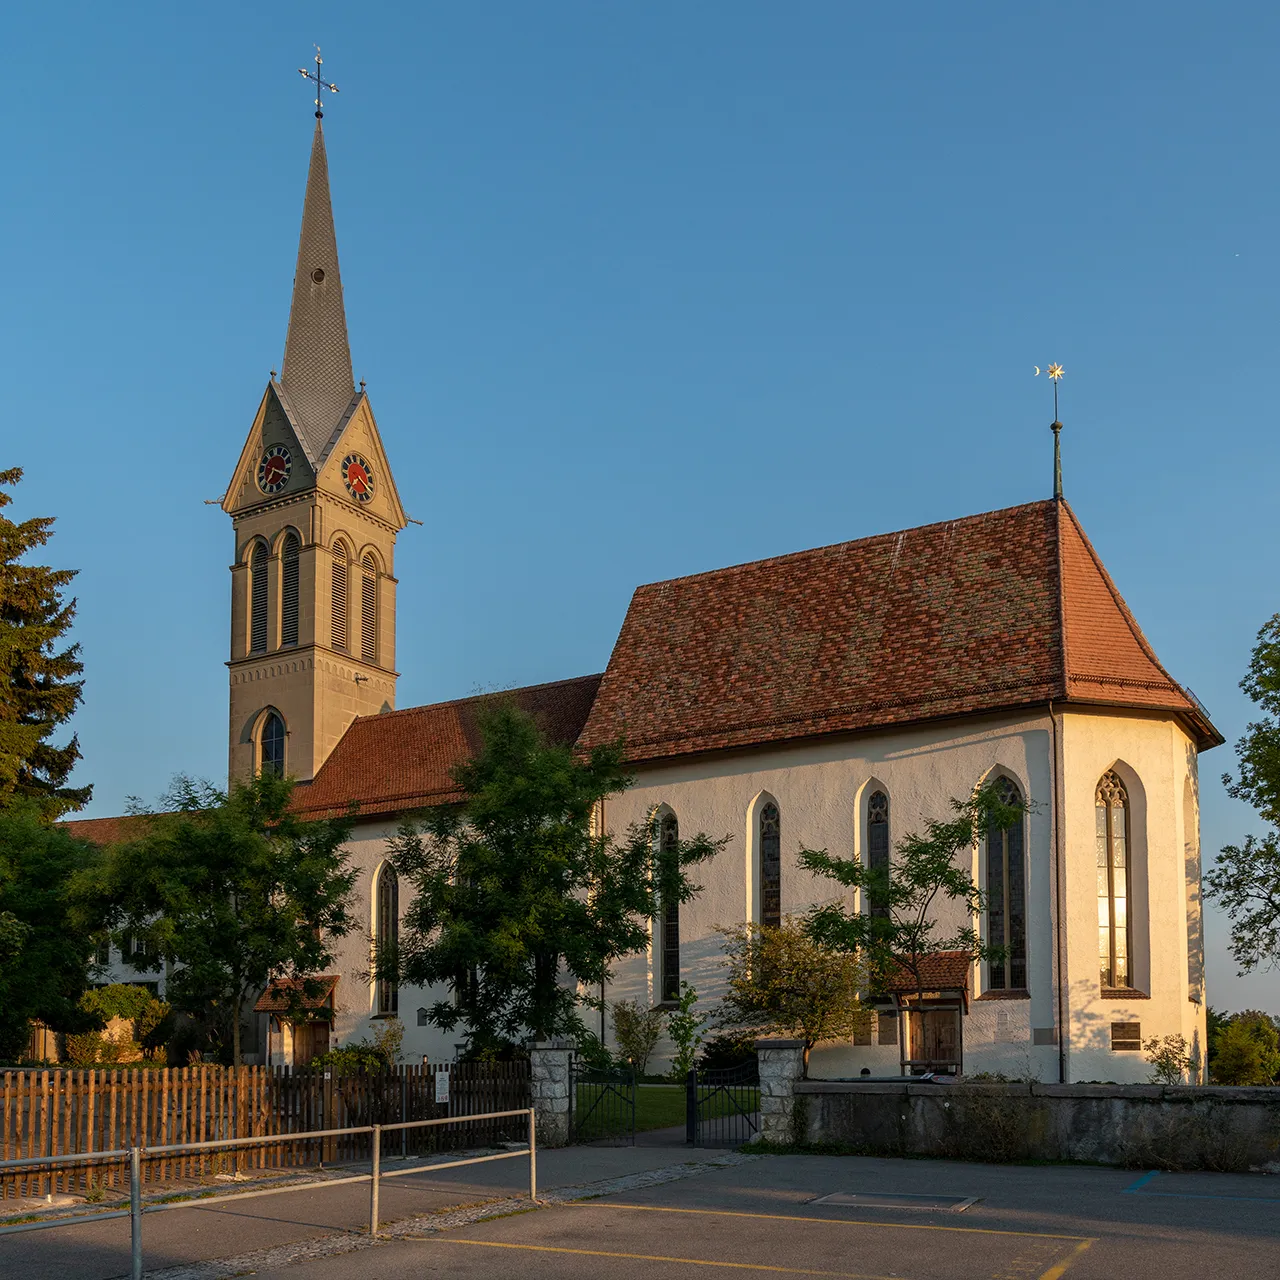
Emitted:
<point x="320" y="82"/>
<point x="1055" y="372"/>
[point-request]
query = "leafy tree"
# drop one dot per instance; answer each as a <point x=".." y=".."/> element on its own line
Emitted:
<point x="46" y="938"/>
<point x="1246" y="878"/>
<point x="1247" y="1050"/>
<point x="38" y="685"/>
<point x="232" y="890"/>
<point x="782" y="982"/>
<point x="515" y="897"/>
<point x="929" y="870"/>
<point x="685" y="1027"/>
<point x="637" y="1029"/>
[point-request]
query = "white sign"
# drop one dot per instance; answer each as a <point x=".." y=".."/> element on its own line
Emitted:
<point x="442" y="1085"/>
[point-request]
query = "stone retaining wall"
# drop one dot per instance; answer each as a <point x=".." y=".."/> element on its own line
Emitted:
<point x="1138" y="1126"/>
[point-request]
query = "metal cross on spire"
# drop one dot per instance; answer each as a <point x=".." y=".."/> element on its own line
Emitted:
<point x="1055" y="376"/>
<point x="319" y="81"/>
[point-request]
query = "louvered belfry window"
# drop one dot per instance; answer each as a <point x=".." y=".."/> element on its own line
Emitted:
<point x="258" y="599"/>
<point x="339" y="608"/>
<point x="289" y="591"/>
<point x="770" y="866"/>
<point x="369" y="609"/>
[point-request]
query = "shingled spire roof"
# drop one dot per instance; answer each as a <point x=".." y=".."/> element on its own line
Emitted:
<point x="316" y="375"/>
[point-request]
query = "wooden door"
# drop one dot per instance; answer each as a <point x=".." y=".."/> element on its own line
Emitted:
<point x="310" y="1039"/>
<point x="935" y="1036"/>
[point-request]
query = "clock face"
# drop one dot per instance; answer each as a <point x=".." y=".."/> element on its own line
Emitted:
<point x="273" y="470"/>
<point x="357" y="475"/>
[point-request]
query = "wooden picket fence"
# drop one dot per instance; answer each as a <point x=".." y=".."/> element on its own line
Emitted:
<point x="61" y="1112"/>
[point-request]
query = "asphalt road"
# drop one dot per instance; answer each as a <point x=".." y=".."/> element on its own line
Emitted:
<point x="756" y="1218"/>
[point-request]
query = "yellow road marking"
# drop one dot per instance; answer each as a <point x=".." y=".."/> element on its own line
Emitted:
<point x="830" y="1222"/>
<point x="1059" y="1269"/>
<point x="658" y="1257"/>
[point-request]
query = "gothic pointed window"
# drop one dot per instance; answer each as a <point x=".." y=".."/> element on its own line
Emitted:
<point x="1007" y="896"/>
<point x="386" y="937"/>
<point x="669" y="914"/>
<point x="369" y="609"/>
<point x="289" y="590"/>
<point x="271" y="745"/>
<point x="338" y="608"/>
<point x="258" y="561"/>
<point x="1111" y="813"/>
<point x="770" y="866"/>
<point x="878" y="851"/>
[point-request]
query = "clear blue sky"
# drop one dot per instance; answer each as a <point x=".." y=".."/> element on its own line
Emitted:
<point x="641" y="290"/>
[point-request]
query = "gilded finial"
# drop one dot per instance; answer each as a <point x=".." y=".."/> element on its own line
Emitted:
<point x="1055" y="372"/>
<point x="318" y="80"/>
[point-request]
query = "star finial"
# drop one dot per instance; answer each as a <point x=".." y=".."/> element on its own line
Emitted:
<point x="1055" y="372"/>
<point x="320" y="82"/>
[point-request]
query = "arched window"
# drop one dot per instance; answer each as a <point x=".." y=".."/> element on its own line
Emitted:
<point x="369" y="609"/>
<point x="271" y="745"/>
<point x="289" y="590"/>
<point x="338" y="607"/>
<point x="878" y="850"/>
<point x="258" y="599"/>
<point x="386" y="937"/>
<point x="669" y="920"/>
<point x="1111" y="809"/>
<point x="1007" y="897"/>
<point x="770" y="866"/>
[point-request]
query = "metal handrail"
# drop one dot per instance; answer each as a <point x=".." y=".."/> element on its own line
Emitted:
<point x="136" y="1154"/>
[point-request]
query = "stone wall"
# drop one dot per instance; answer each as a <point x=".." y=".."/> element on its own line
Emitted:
<point x="781" y="1066"/>
<point x="549" y="1091"/>
<point x="1138" y="1126"/>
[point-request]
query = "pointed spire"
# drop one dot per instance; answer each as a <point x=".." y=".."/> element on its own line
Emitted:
<point x="316" y="374"/>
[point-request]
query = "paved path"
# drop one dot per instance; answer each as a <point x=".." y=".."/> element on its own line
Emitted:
<point x="653" y="1215"/>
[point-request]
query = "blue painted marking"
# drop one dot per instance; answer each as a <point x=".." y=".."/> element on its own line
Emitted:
<point x="1142" y="1181"/>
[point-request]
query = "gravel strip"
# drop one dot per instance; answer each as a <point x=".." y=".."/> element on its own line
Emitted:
<point x="266" y="1260"/>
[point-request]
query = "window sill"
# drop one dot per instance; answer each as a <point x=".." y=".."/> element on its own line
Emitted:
<point x="1123" y="993"/>
<point x="1012" y="993"/>
<point x="382" y="1017"/>
<point x="667" y="1004"/>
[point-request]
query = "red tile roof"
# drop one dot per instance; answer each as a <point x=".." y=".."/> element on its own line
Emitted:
<point x="275" y="999"/>
<point x="104" y="831"/>
<point x="992" y="612"/>
<point x="403" y="760"/>
<point x="941" y="971"/>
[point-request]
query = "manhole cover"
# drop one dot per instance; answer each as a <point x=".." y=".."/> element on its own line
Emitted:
<point x="903" y="1200"/>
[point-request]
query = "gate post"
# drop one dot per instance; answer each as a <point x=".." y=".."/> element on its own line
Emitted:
<point x="549" y="1088"/>
<point x="691" y="1107"/>
<point x="781" y="1065"/>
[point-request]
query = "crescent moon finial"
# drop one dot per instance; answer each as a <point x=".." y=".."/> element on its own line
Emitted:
<point x="1037" y="371"/>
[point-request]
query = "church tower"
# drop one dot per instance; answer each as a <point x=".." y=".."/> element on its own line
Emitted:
<point x="316" y="514"/>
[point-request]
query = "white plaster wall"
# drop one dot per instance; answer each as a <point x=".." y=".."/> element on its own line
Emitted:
<point x="1155" y="758"/>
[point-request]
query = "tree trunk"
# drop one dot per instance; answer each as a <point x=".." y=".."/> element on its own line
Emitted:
<point x="235" y="1030"/>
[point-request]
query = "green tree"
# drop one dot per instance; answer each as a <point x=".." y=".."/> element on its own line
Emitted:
<point x="39" y="688"/>
<point x="782" y="982"/>
<point x="47" y="941"/>
<point x="515" y="897"/>
<point x="685" y="1026"/>
<point x="1246" y="877"/>
<point x="233" y="891"/>
<point x="1247" y="1050"/>
<point x="928" y="871"/>
<point x="637" y="1029"/>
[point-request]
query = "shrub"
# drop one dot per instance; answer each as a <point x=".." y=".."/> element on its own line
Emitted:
<point x="1169" y="1058"/>
<point x="637" y="1030"/>
<point x="685" y="1029"/>
<point x="728" y="1049"/>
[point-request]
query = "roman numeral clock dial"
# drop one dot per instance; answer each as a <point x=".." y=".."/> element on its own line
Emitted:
<point x="273" y="470"/>
<point x="357" y="475"/>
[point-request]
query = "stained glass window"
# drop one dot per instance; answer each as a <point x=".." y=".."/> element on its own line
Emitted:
<point x="386" y="937"/>
<point x="878" y="850"/>
<point x="271" y="746"/>
<point x="1007" y="896"/>
<point x="770" y="866"/>
<point x="668" y="849"/>
<point x="1111" y="814"/>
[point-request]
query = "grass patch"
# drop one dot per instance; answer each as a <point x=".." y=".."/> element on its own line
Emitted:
<point x="657" y="1107"/>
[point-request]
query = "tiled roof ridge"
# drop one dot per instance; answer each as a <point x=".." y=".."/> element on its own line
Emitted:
<point x="869" y="540"/>
<point x="477" y="697"/>
<point x="1129" y="620"/>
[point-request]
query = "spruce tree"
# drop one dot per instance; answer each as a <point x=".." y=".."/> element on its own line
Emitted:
<point x="39" y="688"/>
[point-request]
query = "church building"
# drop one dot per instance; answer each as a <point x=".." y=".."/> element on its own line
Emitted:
<point x="833" y="698"/>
